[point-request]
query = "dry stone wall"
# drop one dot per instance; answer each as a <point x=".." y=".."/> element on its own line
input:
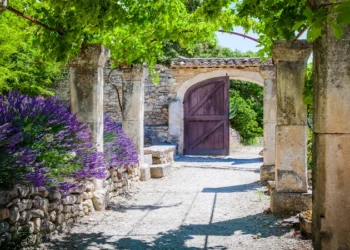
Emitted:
<point x="32" y="214"/>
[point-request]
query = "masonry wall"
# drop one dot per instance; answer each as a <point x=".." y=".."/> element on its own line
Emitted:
<point x="32" y="214"/>
<point x="158" y="96"/>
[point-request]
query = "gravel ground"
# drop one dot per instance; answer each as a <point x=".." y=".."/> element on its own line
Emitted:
<point x="203" y="204"/>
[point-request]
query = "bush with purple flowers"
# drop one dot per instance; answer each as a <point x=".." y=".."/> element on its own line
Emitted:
<point x="43" y="144"/>
<point x="119" y="149"/>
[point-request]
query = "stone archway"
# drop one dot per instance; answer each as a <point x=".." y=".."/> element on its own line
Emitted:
<point x="251" y="73"/>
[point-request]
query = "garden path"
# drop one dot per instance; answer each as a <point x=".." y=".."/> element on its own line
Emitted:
<point x="203" y="204"/>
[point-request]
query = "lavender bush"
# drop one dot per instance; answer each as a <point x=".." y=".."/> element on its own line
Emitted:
<point x="42" y="144"/>
<point x="119" y="149"/>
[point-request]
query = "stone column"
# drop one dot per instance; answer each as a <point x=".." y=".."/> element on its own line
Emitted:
<point x="267" y="171"/>
<point x="331" y="152"/>
<point x="291" y="58"/>
<point x="133" y="111"/>
<point x="3" y="5"/>
<point x="86" y="78"/>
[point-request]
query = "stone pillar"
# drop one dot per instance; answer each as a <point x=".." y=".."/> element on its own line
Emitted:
<point x="133" y="111"/>
<point x="291" y="58"/>
<point x="267" y="171"/>
<point x="86" y="78"/>
<point x="3" y="5"/>
<point x="331" y="152"/>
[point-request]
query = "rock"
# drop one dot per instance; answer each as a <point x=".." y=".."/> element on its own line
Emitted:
<point x="4" y="227"/>
<point x="37" y="213"/>
<point x="14" y="215"/>
<point x="28" y="204"/>
<point x="85" y="196"/>
<point x="4" y="213"/>
<point x="100" y="199"/>
<point x="53" y="206"/>
<point x="90" y="187"/>
<point x="89" y="205"/>
<point x="69" y="200"/>
<point x="79" y="198"/>
<point x="77" y="207"/>
<point x="23" y="191"/>
<point x="53" y="216"/>
<point x="7" y="196"/>
<point x="305" y="225"/>
<point x="160" y="170"/>
<point x="86" y="210"/>
<point x="37" y="225"/>
<point x="52" y="226"/>
<point x="60" y="218"/>
<point x="67" y="209"/>
<point x="43" y="192"/>
<point x="38" y="202"/>
<point x="54" y="196"/>
<point x="67" y="216"/>
<point x="25" y="216"/>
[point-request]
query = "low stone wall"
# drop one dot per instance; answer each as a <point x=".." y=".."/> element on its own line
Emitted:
<point x="32" y="214"/>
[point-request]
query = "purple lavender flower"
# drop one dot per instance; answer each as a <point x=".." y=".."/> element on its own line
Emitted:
<point x="43" y="144"/>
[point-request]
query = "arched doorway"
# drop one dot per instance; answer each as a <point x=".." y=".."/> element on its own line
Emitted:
<point x="206" y="118"/>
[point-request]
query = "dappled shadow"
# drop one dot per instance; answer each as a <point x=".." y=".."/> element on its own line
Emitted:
<point x="266" y="225"/>
<point x="232" y="189"/>
<point x="125" y="208"/>
<point x="233" y="161"/>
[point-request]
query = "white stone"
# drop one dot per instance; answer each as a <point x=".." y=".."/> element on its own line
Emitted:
<point x="100" y="199"/>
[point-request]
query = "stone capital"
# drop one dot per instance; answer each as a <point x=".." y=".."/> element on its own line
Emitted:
<point x="3" y="5"/>
<point x="91" y="55"/>
<point x="268" y="71"/>
<point x="298" y="50"/>
<point x="135" y="73"/>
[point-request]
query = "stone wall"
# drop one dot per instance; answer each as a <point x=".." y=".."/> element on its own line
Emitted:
<point x="158" y="97"/>
<point x="32" y="214"/>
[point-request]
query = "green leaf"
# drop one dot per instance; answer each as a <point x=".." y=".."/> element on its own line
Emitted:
<point x="313" y="33"/>
<point x="337" y="30"/>
<point x="343" y="17"/>
<point x="308" y="13"/>
<point x="298" y="25"/>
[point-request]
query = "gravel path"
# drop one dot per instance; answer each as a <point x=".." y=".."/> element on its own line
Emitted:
<point x="195" y="207"/>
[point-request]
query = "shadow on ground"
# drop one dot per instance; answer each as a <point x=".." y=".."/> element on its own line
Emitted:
<point x="232" y="189"/>
<point x="233" y="161"/>
<point x="263" y="225"/>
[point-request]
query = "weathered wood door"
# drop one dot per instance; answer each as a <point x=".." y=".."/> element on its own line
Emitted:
<point x="206" y="120"/>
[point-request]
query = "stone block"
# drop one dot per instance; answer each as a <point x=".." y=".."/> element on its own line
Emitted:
<point x="291" y="159"/>
<point x="290" y="202"/>
<point x="100" y="199"/>
<point x="148" y="159"/>
<point x="7" y="196"/>
<point x="269" y="143"/>
<point x="267" y="173"/>
<point x="145" y="173"/>
<point x="160" y="170"/>
<point x="331" y="185"/>
<point x="4" y="213"/>
<point x="160" y="150"/>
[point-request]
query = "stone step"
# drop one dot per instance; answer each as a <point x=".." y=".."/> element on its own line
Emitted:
<point x="160" y="170"/>
<point x="148" y="159"/>
<point x="161" y="154"/>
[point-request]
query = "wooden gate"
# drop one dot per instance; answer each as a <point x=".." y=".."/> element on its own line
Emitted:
<point x="206" y="121"/>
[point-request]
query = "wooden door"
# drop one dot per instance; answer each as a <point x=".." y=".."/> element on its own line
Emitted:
<point x="206" y="120"/>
